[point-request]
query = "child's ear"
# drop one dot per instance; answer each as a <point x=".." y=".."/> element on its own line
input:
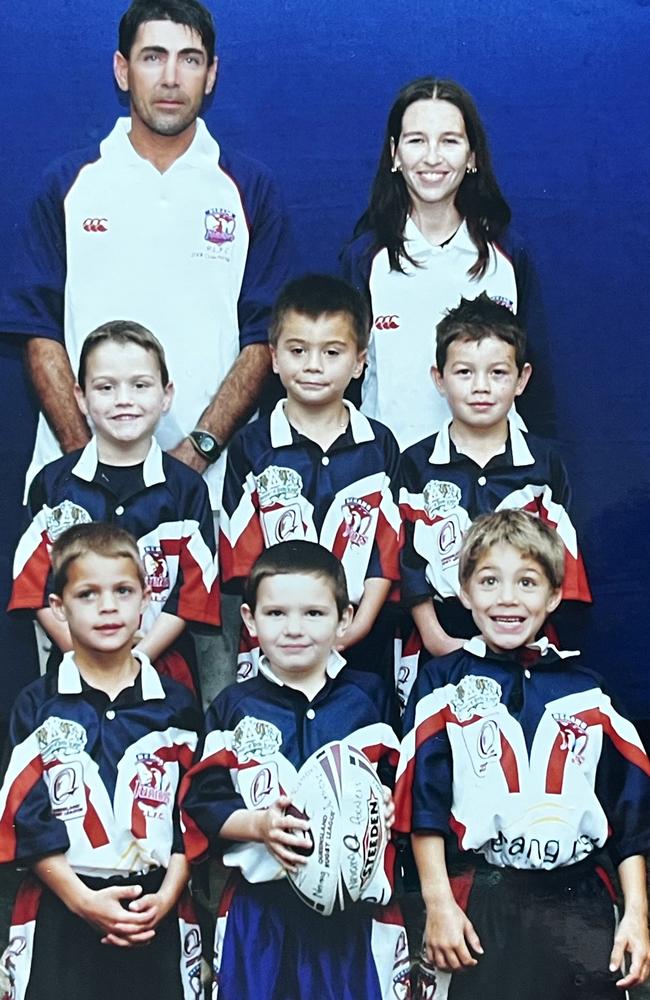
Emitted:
<point x="554" y="599"/>
<point x="146" y="598"/>
<point x="249" y="620"/>
<point x="168" y="396"/>
<point x="274" y="359"/>
<point x="344" y="621"/>
<point x="361" y="360"/>
<point x="81" y="399"/>
<point x="438" y="380"/>
<point x="524" y="376"/>
<point x="56" y="604"/>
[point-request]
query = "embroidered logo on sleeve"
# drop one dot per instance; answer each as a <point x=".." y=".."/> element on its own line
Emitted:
<point x="440" y="497"/>
<point x="60" y="738"/>
<point x="65" y="515"/>
<point x="475" y="696"/>
<point x="278" y="484"/>
<point x="255" y="739"/>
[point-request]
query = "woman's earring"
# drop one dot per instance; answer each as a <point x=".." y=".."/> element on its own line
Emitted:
<point x="395" y="169"/>
<point x="471" y="170"/>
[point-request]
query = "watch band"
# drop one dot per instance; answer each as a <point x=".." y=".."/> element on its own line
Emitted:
<point x="205" y="444"/>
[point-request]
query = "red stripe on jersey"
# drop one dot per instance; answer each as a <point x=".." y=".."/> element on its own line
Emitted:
<point x="195" y="603"/>
<point x="388" y="545"/>
<point x="607" y="882"/>
<point x="185" y="908"/>
<point x="635" y="754"/>
<point x="413" y="514"/>
<point x="92" y="824"/>
<point x="575" y="586"/>
<point x="390" y="914"/>
<point x="28" y="898"/>
<point x="20" y="789"/>
<point x="509" y="765"/>
<point x="196" y="843"/>
<point x="377" y="751"/>
<point x="556" y="764"/>
<point x="236" y="561"/>
<point x="403" y="789"/>
<point x="29" y="587"/>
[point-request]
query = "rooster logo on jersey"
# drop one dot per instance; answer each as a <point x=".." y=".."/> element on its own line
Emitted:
<point x="574" y="736"/>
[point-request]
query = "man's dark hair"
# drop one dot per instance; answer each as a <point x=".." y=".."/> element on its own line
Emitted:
<point x="316" y="295"/>
<point x="475" y="319"/>
<point x="190" y="13"/>
<point x="301" y="558"/>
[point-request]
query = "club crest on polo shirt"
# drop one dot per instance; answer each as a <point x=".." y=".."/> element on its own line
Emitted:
<point x="475" y="695"/>
<point x="151" y="786"/>
<point x="357" y="515"/>
<point x="60" y="737"/>
<point x="156" y="572"/>
<point x="440" y="497"/>
<point x="255" y="739"/>
<point x="277" y="484"/>
<point x="219" y="226"/>
<point x="65" y="515"/>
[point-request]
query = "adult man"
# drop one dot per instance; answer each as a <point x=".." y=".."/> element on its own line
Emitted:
<point x="156" y="225"/>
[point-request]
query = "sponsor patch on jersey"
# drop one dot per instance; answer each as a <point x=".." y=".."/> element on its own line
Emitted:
<point x="574" y="736"/>
<point x="151" y="787"/>
<point x="259" y="786"/>
<point x="255" y="739"/>
<point x="67" y="790"/>
<point x="65" y="515"/>
<point x="156" y="571"/>
<point x="357" y="515"/>
<point x="386" y="322"/>
<point x="440" y="497"/>
<point x="277" y="484"/>
<point x="483" y="744"/>
<point x="474" y="695"/>
<point x="96" y="225"/>
<point x="60" y="738"/>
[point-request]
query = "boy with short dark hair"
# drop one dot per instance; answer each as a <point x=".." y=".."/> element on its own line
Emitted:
<point x="123" y="477"/>
<point x="260" y="732"/>
<point x="89" y="797"/>
<point x="316" y="468"/>
<point x="478" y="462"/>
<point x="515" y="772"/>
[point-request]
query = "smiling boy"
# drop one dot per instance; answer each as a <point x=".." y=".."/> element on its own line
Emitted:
<point x="123" y="477"/>
<point x="480" y="461"/>
<point x="515" y="773"/>
<point x="268" y="944"/>
<point x="316" y="468"/>
<point x="89" y="797"/>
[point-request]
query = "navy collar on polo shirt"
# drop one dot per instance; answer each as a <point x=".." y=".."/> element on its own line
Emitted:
<point x="282" y="433"/>
<point x="152" y="470"/>
<point x="443" y="448"/>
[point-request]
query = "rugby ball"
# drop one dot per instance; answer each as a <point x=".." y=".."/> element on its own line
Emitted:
<point x="339" y="794"/>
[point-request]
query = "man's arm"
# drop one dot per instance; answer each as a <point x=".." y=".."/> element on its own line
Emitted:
<point x="49" y="369"/>
<point x="235" y="400"/>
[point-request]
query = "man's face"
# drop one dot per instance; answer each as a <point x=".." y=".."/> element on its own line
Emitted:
<point x="167" y="75"/>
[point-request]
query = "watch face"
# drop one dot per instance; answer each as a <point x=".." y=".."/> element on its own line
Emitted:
<point x="206" y="442"/>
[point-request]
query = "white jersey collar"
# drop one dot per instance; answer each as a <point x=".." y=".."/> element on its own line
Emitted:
<point x="335" y="664"/>
<point x="521" y="454"/>
<point x="152" y="469"/>
<point x="280" y="428"/>
<point x="203" y="144"/>
<point x="69" y="678"/>
<point x="477" y="646"/>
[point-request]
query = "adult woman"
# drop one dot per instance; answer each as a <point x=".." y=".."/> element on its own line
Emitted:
<point x="435" y="230"/>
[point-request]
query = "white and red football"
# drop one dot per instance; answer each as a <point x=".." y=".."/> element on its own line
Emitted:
<point x="339" y="792"/>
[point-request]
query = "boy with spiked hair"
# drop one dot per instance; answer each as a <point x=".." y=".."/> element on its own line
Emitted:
<point x="316" y="468"/>
<point x="98" y="748"/>
<point x="516" y="772"/>
<point x="480" y="461"/>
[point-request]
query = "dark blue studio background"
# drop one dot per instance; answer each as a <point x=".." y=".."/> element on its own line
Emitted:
<point x="305" y="86"/>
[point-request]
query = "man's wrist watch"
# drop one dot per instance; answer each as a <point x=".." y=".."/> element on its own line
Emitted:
<point x="205" y="444"/>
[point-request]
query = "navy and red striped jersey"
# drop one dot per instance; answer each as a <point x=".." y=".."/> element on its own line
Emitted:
<point x="168" y="513"/>
<point x="97" y="779"/>
<point x="443" y="491"/>
<point x="523" y="758"/>
<point x="280" y="485"/>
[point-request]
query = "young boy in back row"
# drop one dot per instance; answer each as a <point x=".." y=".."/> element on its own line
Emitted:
<point x="98" y="748"/>
<point x="515" y="753"/>
<point x="123" y="477"/>
<point x="269" y="945"/>
<point x="480" y="461"/>
<point x="316" y="468"/>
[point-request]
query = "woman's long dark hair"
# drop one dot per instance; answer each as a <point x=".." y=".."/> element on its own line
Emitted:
<point x="479" y="199"/>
